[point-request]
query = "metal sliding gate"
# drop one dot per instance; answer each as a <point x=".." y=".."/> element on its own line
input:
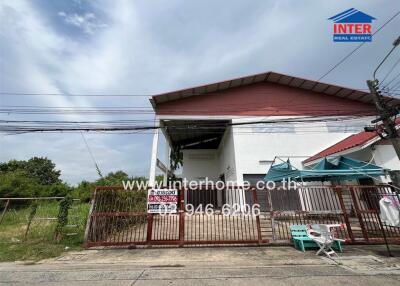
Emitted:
<point x="235" y="216"/>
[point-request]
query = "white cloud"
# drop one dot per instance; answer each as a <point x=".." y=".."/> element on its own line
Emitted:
<point x="35" y="58"/>
<point x="87" y="21"/>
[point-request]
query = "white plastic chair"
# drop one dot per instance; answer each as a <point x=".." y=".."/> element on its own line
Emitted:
<point x="323" y="237"/>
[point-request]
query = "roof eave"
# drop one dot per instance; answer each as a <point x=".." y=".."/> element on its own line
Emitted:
<point x="272" y="77"/>
<point x="344" y="152"/>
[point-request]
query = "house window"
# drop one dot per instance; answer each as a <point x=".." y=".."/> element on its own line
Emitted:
<point x="344" y="127"/>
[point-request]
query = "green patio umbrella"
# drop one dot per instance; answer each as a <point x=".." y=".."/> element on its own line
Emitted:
<point x="341" y="168"/>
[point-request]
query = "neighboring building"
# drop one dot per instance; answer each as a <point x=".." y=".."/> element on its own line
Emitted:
<point x="223" y="130"/>
<point x="364" y="146"/>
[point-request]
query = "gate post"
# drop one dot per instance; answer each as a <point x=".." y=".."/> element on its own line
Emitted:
<point x="359" y="216"/>
<point x="149" y="229"/>
<point x="89" y="220"/>
<point x="182" y="217"/>
<point x="345" y="215"/>
<point x="257" y="217"/>
<point x="4" y="211"/>
<point x="271" y="213"/>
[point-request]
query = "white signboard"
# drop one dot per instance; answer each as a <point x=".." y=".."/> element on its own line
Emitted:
<point x="162" y="201"/>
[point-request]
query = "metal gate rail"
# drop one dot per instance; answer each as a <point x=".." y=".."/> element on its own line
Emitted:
<point x="118" y="217"/>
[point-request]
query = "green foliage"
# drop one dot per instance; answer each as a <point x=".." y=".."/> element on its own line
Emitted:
<point x="121" y="201"/>
<point x="176" y="158"/>
<point x="85" y="189"/>
<point x="113" y="179"/>
<point x="32" y="178"/>
<point x="62" y="217"/>
<point x="12" y="166"/>
<point x="39" y="243"/>
<point x="38" y="177"/>
<point x="32" y="213"/>
<point x="43" y="170"/>
<point x="40" y="169"/>
<point x="19" y="184"/>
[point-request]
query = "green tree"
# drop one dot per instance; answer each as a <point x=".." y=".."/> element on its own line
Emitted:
<point x="12" y="166"/>
<point x="18" y="184"/>
<point x="83" y="191"/>
<point x="113" y="178"/>
<point x="43" y="170"/>
<point x="32" y="178"/>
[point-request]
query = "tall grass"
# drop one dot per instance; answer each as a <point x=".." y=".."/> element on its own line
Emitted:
<point x="38" y="242"/>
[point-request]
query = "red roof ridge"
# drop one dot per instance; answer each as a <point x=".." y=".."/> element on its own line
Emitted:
<point x="354" y="140"/>
<point x="271" y="77"/>
<point x="254" y="75"/>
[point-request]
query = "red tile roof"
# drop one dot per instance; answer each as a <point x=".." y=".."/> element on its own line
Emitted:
<point x="355" y="140"/>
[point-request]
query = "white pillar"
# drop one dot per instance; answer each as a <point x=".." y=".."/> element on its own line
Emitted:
<point x="238" y="168"/>
<point x="153" y="162"/>
<point x="167" y="161"/>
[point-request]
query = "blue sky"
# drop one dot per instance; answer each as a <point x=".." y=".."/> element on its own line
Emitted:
<point x="147" y="47"/>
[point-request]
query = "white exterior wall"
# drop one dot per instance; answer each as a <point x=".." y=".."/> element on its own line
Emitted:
<point x="385" y="156"/>
<point x="211" y="163"/>
<point x="251" y="148"/>
<point x="226" y="156"/>
<point x="199" y="164"/>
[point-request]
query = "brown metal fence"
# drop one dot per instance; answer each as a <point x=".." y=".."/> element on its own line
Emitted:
<point x="230" y="218"/>
<point x="236" y="216"/>
<point x="119" y="217"/>
<point x="367" y="210"/>
<point x="316" y="205"/>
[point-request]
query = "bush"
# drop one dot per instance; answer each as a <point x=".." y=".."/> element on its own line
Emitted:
<point x="18" y="184"/>
<point x="38" y="177"/>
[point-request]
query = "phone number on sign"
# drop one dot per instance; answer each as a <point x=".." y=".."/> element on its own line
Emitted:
<point x="226" y="209"/>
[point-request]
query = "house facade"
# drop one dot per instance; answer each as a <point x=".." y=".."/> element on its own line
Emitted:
<point x="234" y="130"/>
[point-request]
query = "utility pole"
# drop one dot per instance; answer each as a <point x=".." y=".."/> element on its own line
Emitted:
<point x="386" y="113"/>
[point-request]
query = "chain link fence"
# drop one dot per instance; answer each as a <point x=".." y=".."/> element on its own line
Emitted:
<point x="41" y="219"/>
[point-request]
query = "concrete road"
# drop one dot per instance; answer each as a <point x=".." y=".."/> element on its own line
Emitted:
<point x="208" y="266"/>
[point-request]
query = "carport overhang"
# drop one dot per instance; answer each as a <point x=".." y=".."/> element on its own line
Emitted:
<point x="194" y="134"/>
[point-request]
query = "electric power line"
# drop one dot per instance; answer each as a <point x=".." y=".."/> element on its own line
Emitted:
<point x="92" y="156"/>
<point x="358" y="47"/>
<point x="390" y="71"/>
<point x="214" y="126"/>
